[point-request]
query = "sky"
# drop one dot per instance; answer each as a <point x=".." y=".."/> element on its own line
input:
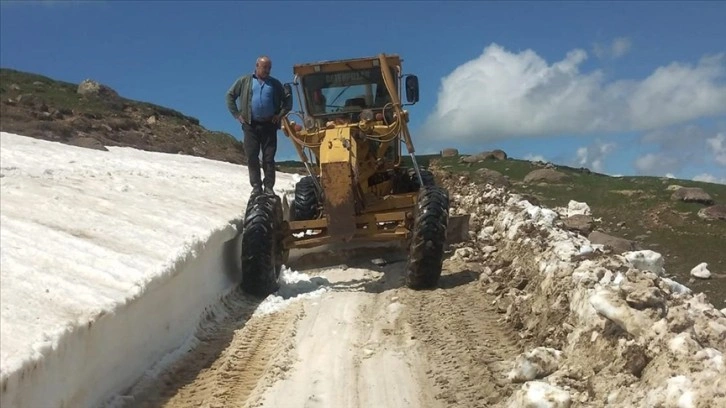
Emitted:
<point x="623" y="88"/>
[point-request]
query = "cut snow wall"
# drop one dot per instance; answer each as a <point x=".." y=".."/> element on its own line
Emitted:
<point x="94" y="361"/>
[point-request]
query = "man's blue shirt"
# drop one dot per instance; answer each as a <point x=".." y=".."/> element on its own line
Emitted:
<point x="263" y="106"/>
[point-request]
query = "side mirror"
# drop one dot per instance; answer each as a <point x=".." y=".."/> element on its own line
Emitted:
<point x="412" y="88"/>
<point x="288" y="96"/>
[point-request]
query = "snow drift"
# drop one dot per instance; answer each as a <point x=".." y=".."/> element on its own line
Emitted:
<point x="109" y="260"/>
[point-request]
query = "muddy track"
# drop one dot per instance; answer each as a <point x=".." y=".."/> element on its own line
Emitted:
<point x="467" y="348"/>
<point x="234" y="351"/>
<point x="367" y="341"/>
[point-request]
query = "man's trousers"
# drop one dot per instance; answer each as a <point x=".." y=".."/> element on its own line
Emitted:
<point x="261" y="136"/>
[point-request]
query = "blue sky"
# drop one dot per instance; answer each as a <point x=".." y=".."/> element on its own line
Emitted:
<point x="619" y="87"/>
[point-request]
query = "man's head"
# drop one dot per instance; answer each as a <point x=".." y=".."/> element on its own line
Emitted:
<point x="263" y="67"/>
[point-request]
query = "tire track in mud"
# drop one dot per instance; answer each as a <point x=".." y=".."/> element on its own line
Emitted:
<point x="468" y="350"/>
<point x="235" y="353"/>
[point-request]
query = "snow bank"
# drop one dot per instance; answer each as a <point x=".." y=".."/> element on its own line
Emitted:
<point x="108" y="262"/>
<point x="602" y="329"/>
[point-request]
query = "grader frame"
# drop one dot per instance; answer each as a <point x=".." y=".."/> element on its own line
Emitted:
<point x="351" y="144"/>
<point x="357" y="187"/>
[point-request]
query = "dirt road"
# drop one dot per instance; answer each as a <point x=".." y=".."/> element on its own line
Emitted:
<point x="365" y="341"/>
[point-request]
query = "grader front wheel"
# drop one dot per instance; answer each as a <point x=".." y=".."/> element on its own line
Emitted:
<point x="426" y="252"/>
<point x="262" y="251"/>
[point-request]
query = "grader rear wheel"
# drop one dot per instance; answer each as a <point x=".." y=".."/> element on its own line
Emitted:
<point x="426" y="252"/>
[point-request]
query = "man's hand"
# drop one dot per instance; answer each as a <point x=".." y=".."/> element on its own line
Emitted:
<point x="275" y="119"/>
<point x="241" y="119"/>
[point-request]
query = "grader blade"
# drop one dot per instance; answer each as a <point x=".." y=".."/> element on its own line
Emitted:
<point x="339" y="201"/>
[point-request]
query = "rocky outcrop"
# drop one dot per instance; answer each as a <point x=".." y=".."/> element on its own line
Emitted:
<point x="692" y="195"/>
<point x="545" y="175"/>
<point x="714" y="212"/>
<point x="91" y="87"/>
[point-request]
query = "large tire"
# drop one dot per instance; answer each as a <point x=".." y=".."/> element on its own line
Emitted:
<point x="426" y="175"/>
<point x="426" y="252"/>
<point x="305" y="206"/>
<point x="262" y="252"/>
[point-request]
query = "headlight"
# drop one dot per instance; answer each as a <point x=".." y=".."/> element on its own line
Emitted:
<point x="309" y="122"/>
<point x="366" y="115"/>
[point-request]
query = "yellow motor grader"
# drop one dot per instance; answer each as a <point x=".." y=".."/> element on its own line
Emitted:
<point x="351" y="131"/>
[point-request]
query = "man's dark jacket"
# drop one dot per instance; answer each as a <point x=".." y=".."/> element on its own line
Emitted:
<point x="242" y="90"/>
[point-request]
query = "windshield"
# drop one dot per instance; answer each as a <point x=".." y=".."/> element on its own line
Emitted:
<point x="346" y="91"/>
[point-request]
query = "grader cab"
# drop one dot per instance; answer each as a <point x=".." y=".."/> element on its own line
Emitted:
<point x="350" y="135"/>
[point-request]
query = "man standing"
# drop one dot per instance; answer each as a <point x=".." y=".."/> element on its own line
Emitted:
<point x="263" y="103"/>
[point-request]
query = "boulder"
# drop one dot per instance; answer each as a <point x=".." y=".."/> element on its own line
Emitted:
<point x="471" y="159"/>
<point x="493" y="177"/>
<point x="546" y="175"/>
<point x="449" y="152"/>
<point x="692" y="194"/>
<point x="580" y="223"/>
<point x="714" y="212"/>
<point x="618" y="245"/>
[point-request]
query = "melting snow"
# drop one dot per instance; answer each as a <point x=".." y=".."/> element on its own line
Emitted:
<point x="109" y="258"/>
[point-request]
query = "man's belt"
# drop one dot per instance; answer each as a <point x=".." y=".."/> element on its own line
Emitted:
<point x="262" y="120"/>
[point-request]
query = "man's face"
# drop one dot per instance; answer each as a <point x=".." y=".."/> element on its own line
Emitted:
<point x="263" y="68"/>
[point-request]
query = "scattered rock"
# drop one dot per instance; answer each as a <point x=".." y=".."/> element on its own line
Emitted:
<point x="644" y="297"/>
<point x="618" y="245"/>
<point x="492" y="176"/>
<point x="536" y="394"/>
<point x="692" y="194"/>
<point x="15" y="87"/>
<point x="449" y="152"/>
<point x="379" y="262"/>
<point x="545" y="175"/>
<point x="577" y="208"/>
<point x="646" y="260"/>
<point x="151" y="120"/>
<point x="701" y="271"/>
<point x="714" y="212"/>
<point x="91" y="87"/>
<point x="87" y="142"/>
<point x="579" y="223"/>
<point x="537" y="363"/>
<point x="673" y="187"/>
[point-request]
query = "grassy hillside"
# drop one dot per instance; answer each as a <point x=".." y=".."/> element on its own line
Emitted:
<point x="38" y="106"/>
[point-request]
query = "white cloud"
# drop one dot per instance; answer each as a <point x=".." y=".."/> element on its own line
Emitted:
<point x="503" y="94"/>
<point x="619" y="47"/>
<point x="535" y="157"/>
<point x="594" y="156"/>
<point x="710" y="178"/>
<point x="656" y="163"/>
<point x="717" y="145"/>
